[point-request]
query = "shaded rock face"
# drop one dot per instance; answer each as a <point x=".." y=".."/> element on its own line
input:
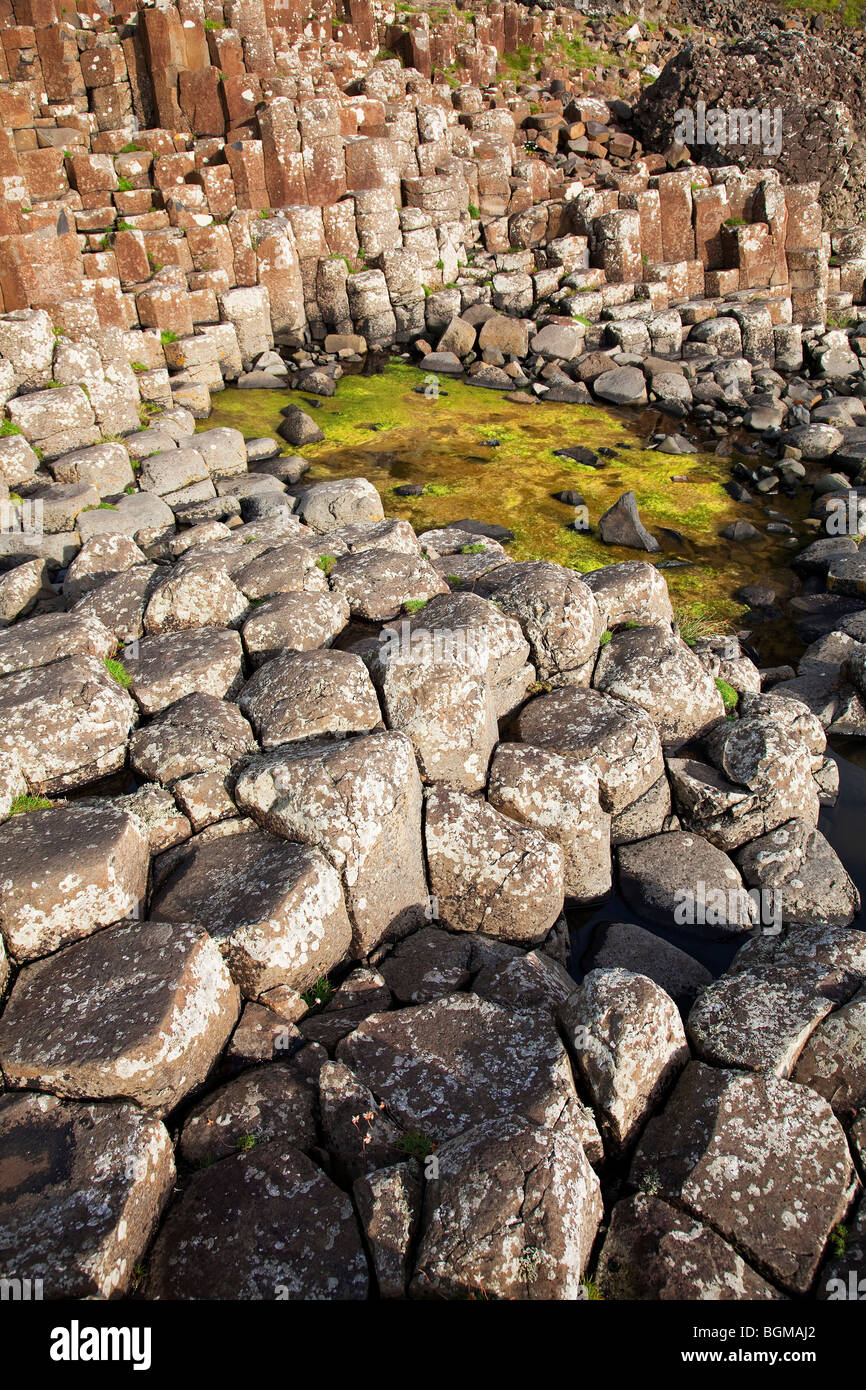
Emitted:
<point x="388" y="1202"/>
<point x="764" y="1162"/>
<point x="269" y="1102"/>
<point x="512" y="1214"/>
<point x="681" y="879"/>
<point x="816" y="85"/>
<point x="286" y="1232"/>
<point x="628" y="1042"/>
<point x="654" y="1251"/>
<point x="442" y="1068"/>
<point x="82" y="1188"/>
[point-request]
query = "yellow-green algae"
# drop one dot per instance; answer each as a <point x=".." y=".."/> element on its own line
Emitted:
<point x="378" y="427"/>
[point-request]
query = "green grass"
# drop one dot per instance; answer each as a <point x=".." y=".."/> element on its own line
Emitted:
<point x="476" y="549"/>
<point x="605" y="637"/>
<point x="415" y="1144"/>
<point x="124" y="185"/>
<point x="730" y="697"/>
<point x="246" y="1142"/>
<point x="167" y="336"/>
<point x="319" y="994"/>
<point x="118" y="672"/>
<point x="699" y="620"/>
<point x="414" y="605"/>
<point x="839" y="1239"/>
<point x="25" y="802"/>
<point x="852" y="12"/>
<point x="7" y="428"/>
<point x="326" y="563"/>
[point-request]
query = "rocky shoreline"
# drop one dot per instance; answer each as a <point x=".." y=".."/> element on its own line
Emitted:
<point x="299" y="804"/>
<point x="311" y="967"/>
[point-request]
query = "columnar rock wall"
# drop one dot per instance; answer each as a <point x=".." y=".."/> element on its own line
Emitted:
<point x="182" y="188"/>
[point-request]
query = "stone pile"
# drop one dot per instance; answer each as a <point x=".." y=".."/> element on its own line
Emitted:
<point x="292" y="801"/>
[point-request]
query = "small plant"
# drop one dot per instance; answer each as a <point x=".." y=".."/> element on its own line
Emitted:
<point x="477" y="548"/>
<point x="118" y="672"/>
<point x="211" y="25"/>
<point x="167" y="336"/>
<point x="7" y="428"/>
<point x="245" y="1143"/>
<point x="319" y="994"/>
<point x="414" y="605"/>
<point x="839" y="1239"/>
<point x="474" y="212"/>
<point x="130" y="148"/>
<point x="592" y="1293"/>
<point x="124" y="226"/>
<point x="25" y="802"/>
<point x="124" y="185"/>
<point x="652" y="1183"/>
<point x="730" y="697"/>
<point x="735" y="221"/>
<point x="605" y="637"/>
<point x="539" y="688"/>
<point x="326" y="563"/>
<point x="100" y="507"/>
<point x="138" y="367"/>
<point x="130" y="490"/>
<point x="453" y="579"/>
<point x="415" y="1144"/>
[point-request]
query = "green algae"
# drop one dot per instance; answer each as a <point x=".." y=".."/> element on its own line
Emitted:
<point x="377" y="426"/>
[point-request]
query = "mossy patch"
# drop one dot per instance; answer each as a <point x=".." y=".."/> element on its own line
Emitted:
<point x="378" y="427"/>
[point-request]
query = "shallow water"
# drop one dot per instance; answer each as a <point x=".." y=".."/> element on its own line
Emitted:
<point x="379" y="427"/>
<point x="842" y="826"/>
